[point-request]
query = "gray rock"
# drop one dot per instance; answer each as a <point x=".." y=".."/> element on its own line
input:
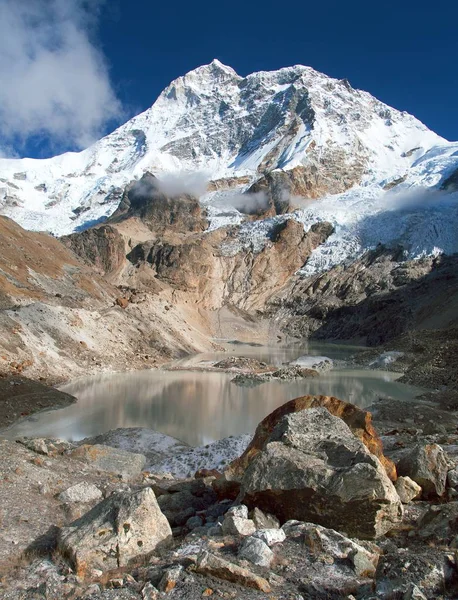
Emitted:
<point x="413" y="593"/>
<point x="233" y="525"/>
<point x="330" y="543"/>
<point x="215" y="530"/>
<point x="313" y="468"/>
<point x="46" y="446"/>
<point x="112" y="460"/>
<point x="439" y="524"/>
<point x="427" y="568"/>
<point x="209" y="564"/>
<point x="270" y="536"/>
<point x="149" y="592"/>
<point x="170" y="578"/>
<point x="256" y="551"/>
<point x="120" y="528"/>
<point x="407" y="489"/>
<point x="81" y="492"/>
<point x="427" y="465"/>
<point x="194" y="522"/>
<point x="153" y="445"/>
<point x="92" y="590"/>
<point x="240" y="511"/>
<point x="264" y="520"/>
<point x="452" y="478"/>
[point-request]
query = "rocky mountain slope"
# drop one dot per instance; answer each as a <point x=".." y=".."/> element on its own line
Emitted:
<point x="268" y="143"/>
<point x="60" y="317"/>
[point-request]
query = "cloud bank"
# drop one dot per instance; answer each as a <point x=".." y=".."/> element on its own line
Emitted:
<point x="54" y="80"/>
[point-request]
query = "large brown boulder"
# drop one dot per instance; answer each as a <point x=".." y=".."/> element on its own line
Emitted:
<point x="358" y="420"/>
<point x="313" y="468"/>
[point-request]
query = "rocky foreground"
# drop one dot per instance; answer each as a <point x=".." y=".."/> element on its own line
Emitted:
<point x="317" y="506"/>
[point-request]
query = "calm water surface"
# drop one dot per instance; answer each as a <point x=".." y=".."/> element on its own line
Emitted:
<point x="200" y="407"/>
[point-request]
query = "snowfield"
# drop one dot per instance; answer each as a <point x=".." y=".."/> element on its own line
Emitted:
<point x="212" y="124"/>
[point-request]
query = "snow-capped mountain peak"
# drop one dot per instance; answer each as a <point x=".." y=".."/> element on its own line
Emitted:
<point x="234" y="130"/>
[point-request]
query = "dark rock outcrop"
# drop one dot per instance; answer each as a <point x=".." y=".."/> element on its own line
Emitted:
<point x="145" y="200"/>
<point x="103" y="247"/>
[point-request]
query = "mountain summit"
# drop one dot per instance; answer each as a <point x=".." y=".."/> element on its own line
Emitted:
<point x="329" y="140"/>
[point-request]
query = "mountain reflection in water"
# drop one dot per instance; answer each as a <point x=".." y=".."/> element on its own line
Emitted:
<point x="195" y="407"/>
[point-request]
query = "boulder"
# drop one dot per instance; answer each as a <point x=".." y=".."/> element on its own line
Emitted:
<point x="358" y="420"/>
<point x="209" y="564"/>
<point x="121" y="528"/>
<point x="256" y="551"/>
<point x="81" y="492"/>
<point x="312" y="468"/>
<point x="407" y="489"/>
<point x="427" y="465"/>
<point x="112" y="460"/>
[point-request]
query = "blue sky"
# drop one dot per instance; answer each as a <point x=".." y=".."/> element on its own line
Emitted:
<point x="122" y="56"/>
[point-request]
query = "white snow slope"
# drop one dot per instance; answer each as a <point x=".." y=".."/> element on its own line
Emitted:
<point x="213" y="124"/>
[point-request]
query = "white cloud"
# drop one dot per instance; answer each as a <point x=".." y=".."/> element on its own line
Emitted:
<point x="184" y="182"/>
<point x="54" y="82"/>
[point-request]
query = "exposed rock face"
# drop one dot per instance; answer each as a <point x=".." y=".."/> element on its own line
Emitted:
<point x="359" y="421"/>
<point x="144" y="199"/>
<point x="427" y="465"/>
<point x="102" y="247"/>
<point x="428" y="568"/>
<point x="451" y="182"/>
<point x="333" y="566"/>
<point x="215" y="270"/>
<point x="313" y="468"/>
<point x="327" y="542"/>
<point x="270" y="536"/>
<point x="287" y="190"/>
<point x="119" y="529"/>
<point x="58" y="317"/>
<point x="263" y="520"/>
<point x="376" y="298"/>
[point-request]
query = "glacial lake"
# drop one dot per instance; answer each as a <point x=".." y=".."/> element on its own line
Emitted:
<point x="199" y="407"/>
